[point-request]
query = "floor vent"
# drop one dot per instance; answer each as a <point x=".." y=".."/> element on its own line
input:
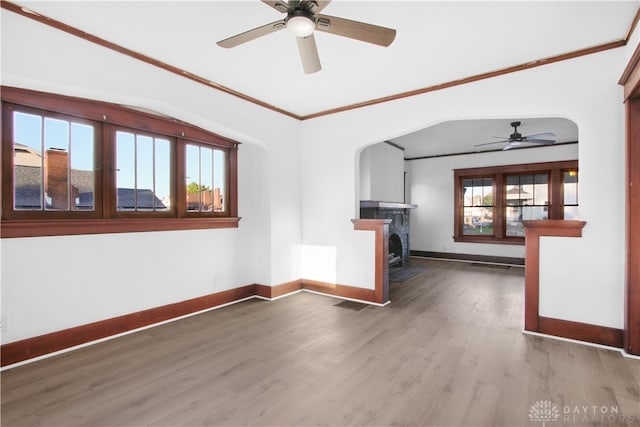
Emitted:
<point x="351" y="305"/>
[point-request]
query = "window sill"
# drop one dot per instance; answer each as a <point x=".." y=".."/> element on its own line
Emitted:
<point x="490" y="240"/>
<point x="68" y="227"/>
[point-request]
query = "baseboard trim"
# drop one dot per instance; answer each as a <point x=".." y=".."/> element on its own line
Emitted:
<point x="29" y="348"/>
<point x="324" y="288"/>
<point x="272" y="292"/>
<point x="343" y="291"/>
<point x="586" y="332"/>
<point x="36" y="347"/>
<point x="52" y="343"/>
<point x="469" y="257"/>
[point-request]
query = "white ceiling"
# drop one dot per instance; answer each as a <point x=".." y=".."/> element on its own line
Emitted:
<point x="436" y="42"/>
<point x="461" y="136"/>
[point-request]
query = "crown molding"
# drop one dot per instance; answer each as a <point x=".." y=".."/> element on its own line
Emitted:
<point x="27" y="13"/>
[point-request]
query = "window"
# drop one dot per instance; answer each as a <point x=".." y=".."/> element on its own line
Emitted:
<point x="478" y="207"/>
<point x="570" y="191"/>
<point x="527" y="197"/>
<point x="491" y="203"/>
<point x="74" y="166"/>
<point x="143" y="172"/>
<point x="205" y="179"/>
<point x="53" y="169"/>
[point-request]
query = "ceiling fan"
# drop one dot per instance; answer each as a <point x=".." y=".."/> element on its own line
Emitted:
<point x="303" y="17"/>
<point x="516" y="138"/>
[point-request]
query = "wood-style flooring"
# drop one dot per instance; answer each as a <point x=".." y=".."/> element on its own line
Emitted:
<point x="447" y="351"/>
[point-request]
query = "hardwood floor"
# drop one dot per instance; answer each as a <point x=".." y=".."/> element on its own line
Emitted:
<point x="447" y="351"/>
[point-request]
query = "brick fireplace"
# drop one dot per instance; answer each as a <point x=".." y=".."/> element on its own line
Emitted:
<point x="398" y="213"/>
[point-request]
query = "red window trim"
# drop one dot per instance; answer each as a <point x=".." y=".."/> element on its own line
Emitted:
<point x="499" y="174"/>
<point x="104" y="219"/>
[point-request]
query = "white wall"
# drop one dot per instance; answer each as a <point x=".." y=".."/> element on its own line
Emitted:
<point x="431" y="183"/>
<point x="52" y="283"/>
<point x="382" y="173"/>
<point x="298" y="188"/>
<point x="584" y="90"/>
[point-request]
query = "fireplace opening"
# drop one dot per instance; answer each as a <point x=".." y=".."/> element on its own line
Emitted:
<point x="399" y="227"/>
<point x="395" y="251"/>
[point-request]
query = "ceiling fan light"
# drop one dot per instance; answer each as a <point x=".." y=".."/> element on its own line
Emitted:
<point x="300" y="26"/>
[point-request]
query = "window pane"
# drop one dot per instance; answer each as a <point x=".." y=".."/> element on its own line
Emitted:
<point x="219" y="185"/>
<point x="478" y="221"/>
<point x="514" y="221"/>
<point x="56" y="156"/>
<point x="478" y="192"/>
<point x="125" y="171"/>
<point x="163" y="175"/>
<point x="513" y="191"/>
<point x="517" y="214"/>
<point x="541" y="190"/>
<point x="206" y="179"/>
<point x="193" y="178"/>
<point x="527" y="190"/>
<point x="527" y="199"/>
<point x="143" y="172"/>
<point x="82" y="170"/>
<point x="144" y="194"/>
<point x="478" y="210"/>
<point x="27" y="175"/>
<point x="487" y="192"/>
<point x="56" y="164"/>
<point x="570" y="179"/>
<point x="467" y="185"/>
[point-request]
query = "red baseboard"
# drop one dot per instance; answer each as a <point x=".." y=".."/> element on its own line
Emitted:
<point x="19" y="351"/>
<point x="580" y="331"/>
<point x="343" y="291"/>
<point x="29" y="348"/>
<point x="278" y="290"/>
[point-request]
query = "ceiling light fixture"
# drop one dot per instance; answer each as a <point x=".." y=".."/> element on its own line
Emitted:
<point x="300" y="23"/>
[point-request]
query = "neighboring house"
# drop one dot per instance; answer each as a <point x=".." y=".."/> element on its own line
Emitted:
<point x="30" y="178"/>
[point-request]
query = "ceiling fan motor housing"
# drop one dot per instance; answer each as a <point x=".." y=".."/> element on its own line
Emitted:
<point x="300" y="22"/>
<point x="515" y="136"/>
<point x="303" y="13"/>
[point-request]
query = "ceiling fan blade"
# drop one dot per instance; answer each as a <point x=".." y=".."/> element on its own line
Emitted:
<point x="545" y="135"/>
<point x="369" y="33"/>
<point x="507" y="147"/>
<point x="490" y="143"/>
<point x="279" y="5"/>
<point x="247" y="36"/>
<point x="540" y="141"/>
<point x="309" y="54"/>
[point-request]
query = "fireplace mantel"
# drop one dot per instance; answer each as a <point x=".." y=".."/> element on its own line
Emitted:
<point x="385" y="205"/>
